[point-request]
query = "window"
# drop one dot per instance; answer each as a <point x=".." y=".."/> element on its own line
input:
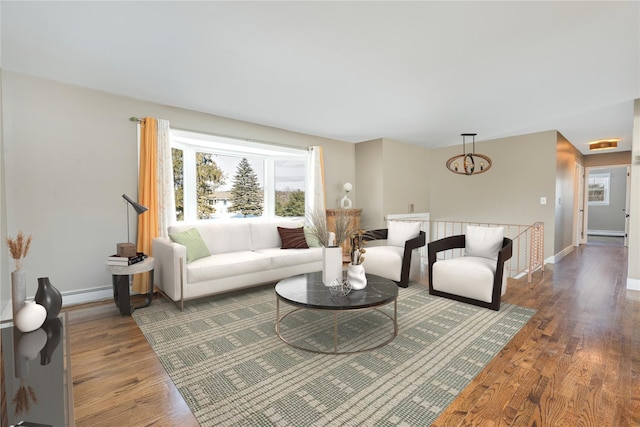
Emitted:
<point x="599" y="189"/>
<point x="218" y="178"/>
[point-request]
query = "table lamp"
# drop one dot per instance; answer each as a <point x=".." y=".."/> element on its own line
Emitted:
<point x="129" y="249"/>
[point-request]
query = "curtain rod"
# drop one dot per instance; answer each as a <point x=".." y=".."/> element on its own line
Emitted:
<point x="135" y="119"/>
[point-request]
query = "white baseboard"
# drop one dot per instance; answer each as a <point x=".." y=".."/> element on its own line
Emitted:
<point x="633" y="284"/>
<point x="611" y="233"/>
<point x="557" y="257"/>
<point x="70" y="298"/>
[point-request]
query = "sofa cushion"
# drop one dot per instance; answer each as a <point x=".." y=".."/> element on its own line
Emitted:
<point x="221" y="237"/>
<point x="483" y="242"/>
<point x="471" y="277"/>
<point x="292" y="238"/>
<point x="401" y="231"/>
<point x="226" y="265"/>
<point x="264" y="234"/>
<point x="291" y="257"/>
<point x="190" y="238"/>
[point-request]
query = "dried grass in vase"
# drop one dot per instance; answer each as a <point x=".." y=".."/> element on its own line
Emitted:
<point x="319" y="227"/>
<point x="19" y="248"/>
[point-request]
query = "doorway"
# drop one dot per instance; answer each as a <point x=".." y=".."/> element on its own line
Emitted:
<point x="606" y="199"/>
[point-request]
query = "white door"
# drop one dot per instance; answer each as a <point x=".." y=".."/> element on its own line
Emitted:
<point x="627" y="214"/>
<point x="580" y="236"/>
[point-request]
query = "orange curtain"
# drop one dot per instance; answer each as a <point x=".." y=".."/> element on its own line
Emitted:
<point x="147" y="194"/>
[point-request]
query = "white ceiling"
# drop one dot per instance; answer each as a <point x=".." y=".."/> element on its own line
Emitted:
<point x="418" y="72"/>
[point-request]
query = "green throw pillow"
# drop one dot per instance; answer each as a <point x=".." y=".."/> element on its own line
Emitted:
<point x="196" y="247"/>
<point x="312" y="241"/>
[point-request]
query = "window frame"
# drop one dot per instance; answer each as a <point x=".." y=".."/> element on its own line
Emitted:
<point x="192" y="142"/>
<point x="606" y="181"/>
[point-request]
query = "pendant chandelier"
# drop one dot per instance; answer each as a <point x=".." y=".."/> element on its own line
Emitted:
<point x="469" y="163"/>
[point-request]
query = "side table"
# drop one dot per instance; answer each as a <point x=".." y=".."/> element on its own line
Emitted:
<point x="121" y="275"/>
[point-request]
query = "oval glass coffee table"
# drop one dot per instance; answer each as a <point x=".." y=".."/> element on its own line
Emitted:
<point x="307" y="292"/>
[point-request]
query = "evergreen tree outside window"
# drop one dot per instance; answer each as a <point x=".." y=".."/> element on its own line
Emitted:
<point x="247" y="198"/>
<point x="209" y="177"/>
<point x="178" y="182"/>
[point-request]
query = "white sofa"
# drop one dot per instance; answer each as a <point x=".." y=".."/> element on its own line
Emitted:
<point x="242" y="254"/>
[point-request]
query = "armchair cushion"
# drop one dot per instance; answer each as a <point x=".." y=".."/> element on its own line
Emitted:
<point x="483" y="242"/>
<point x="386" y="261"/>
<point x="401" y="231"/>
<point x="467" y="276"/>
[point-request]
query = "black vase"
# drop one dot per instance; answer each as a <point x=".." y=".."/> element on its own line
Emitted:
<point x="48" y="297"/>
<point x="53" y="328"/>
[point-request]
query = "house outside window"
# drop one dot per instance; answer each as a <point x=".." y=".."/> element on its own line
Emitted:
<point x="220" y="178"/>
<point x="599" y="189"/>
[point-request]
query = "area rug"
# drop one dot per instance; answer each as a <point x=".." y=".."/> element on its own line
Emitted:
<point x="226" y="360"/>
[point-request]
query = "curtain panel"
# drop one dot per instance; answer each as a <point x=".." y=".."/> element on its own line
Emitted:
<point x="155" y="188"/>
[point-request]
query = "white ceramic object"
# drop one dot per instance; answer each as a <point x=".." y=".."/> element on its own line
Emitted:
<point x="331" y="264"/>
<point x="30" y="344"/>
<point x="345" y="203"/>
<point x="356" y="276"/>
<point x="30" y="317"/>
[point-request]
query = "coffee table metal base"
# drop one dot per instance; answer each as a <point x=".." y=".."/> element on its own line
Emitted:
<point x="394" y="321"/>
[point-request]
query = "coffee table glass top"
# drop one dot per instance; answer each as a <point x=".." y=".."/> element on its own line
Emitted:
<point x="307" y="290"/>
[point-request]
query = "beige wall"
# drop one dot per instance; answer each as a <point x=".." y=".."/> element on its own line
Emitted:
<point x="566" y="158"/>
<point x="369" y="181"/>
<point x="70" y="153"/>
<point x="633" y="280"/>
<point x="607" y="159"/>
<point x="523" y="170"/>
<point x="4" y="252"/>
<point x="406" y="177"/>
<point x="391" y="175"/>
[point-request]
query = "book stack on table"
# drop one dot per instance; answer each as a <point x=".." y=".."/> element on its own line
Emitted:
<point x="124" y="261"/>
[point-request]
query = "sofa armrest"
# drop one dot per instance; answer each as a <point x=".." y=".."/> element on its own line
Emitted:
<point x="503" y="256"/>
<point x="170" y="267"/>
<point x="409" y="246"/>
<point x="444" y="244"/>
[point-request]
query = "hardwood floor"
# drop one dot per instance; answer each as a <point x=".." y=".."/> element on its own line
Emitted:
<point x="577" y="362"/>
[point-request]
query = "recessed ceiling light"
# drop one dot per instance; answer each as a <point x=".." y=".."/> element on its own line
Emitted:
<point x="603" y="144"/>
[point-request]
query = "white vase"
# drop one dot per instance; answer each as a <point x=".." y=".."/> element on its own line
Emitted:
<point x="345" y="203"/>
<point x="30" y="317"/>
<point x="331" y="264"/>
<point x="356" y="276"/>
<point x="18" y="290"/>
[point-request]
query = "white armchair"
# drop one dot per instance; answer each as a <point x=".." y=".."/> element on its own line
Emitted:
<point x="398" y="259"/>
<point x="476" y="278"/>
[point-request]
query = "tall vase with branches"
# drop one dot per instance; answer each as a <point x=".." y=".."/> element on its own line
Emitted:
<point x="18" y="249"/>
<point x="330" y="241"/>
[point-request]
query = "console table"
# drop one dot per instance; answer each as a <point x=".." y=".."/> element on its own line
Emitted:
<point x="36" y="382"/>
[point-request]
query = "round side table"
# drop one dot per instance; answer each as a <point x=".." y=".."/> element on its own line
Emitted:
<point x="121" y="275"/>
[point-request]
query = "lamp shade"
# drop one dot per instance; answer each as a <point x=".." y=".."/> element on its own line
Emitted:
<point x="136" y="206"/>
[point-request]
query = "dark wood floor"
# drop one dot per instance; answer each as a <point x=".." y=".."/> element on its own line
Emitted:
<point x="577" y="362"/>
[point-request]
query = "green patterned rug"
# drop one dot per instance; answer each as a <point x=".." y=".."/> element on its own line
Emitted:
<point x="226" y="360"/>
